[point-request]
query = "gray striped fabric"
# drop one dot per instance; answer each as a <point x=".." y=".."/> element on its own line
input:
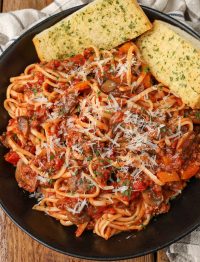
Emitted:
<point x="15" y="23"/>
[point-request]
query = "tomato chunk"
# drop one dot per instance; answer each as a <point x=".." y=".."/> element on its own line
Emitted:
<point x="78" y="59"/>
<point x="147" y="81"/>
<point x="12" y="157"/>
<point x="190" y="171"/>
<point x="139" y="186"/>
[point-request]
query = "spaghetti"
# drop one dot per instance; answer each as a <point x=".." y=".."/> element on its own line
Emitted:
<point x="98" y="141"/>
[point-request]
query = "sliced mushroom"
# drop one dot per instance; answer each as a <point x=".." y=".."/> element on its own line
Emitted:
<point x="108" y="86"/>
<point x="72" y="102"/>
<point x="23" y="125"/>
<point x="151" y="198"/>
<point x="75" y="217"/>
<point x="26" y="178"/>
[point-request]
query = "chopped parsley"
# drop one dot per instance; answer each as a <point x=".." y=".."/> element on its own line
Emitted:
<point x="90" y="186"/>
<point x="197" y="115"/>
<point x="51" y="181"/>
<point x="127" y="192"/>
<point x="75" y="173"/>
<point x="187" y="56"/>
<point x="182" y="77"/>
<point x="97" y="153"/>
<point x="98" y="173"/>
<point x="34" y="91"/>
<point x="52" y="157"/>
<point x="81" y="181"/>
<point x="163" y="129"/>
<point x="62" y="111"/>
<point x="171" y="38"/>
<point x="78" y="109"/>
<point x="160" y="87"/>
<point x="122" y="8"/>
<point x="51" y="171"/>
<point x="146" y="69"/>
<point x="98" y="93"/>
<point x="89" y="158"/>
<point x="131" y="25"/>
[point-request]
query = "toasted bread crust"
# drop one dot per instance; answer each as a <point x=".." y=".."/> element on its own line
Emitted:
<point x="103" y="23"/>
<point x="174" y="60"/>
<point x="37" y="47"/>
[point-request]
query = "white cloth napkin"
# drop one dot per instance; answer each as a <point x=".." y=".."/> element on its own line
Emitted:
<point x="13" y="24"/>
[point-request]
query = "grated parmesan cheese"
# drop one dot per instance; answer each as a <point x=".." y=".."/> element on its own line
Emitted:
<point x="80" y="205"/>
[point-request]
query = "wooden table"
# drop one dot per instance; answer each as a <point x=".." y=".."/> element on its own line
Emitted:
<point x="15" y="245"/>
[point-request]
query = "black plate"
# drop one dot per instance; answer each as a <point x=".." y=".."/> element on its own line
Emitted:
<point x="183" y="217"/>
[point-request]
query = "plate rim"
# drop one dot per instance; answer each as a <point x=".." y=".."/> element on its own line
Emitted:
<point x="181" y="25"/>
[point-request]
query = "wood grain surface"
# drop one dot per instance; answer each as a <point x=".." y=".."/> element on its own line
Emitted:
<point x="15" y="245"/>
<point x="10" y="5"/>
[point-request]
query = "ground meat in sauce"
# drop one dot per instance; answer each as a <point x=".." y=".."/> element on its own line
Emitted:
<point x="77" y="184"/>
<point x="78" y="219"/>
<point x="191" y="147"/>
<point x="69" y="204"/>
<point x="26" y="177"/>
